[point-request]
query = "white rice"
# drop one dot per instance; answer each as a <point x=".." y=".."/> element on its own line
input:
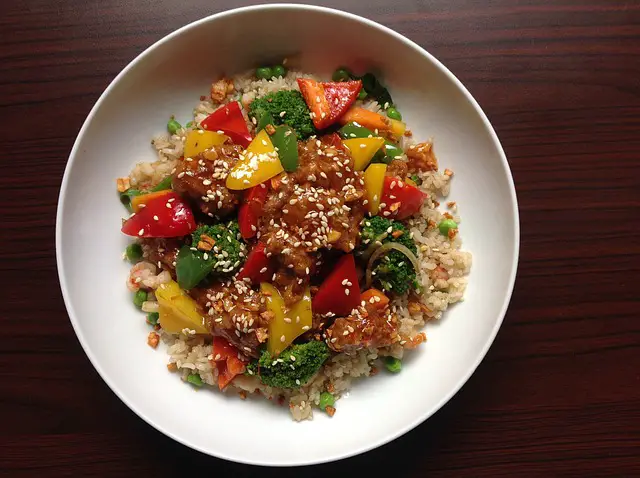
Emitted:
<point x="191" y="354"/>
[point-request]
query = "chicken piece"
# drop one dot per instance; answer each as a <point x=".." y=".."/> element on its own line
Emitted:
<point x="161" y="250"/>
<point x="202" y="180"/>
<point x="420" y="157"/>
<point x="221" y="89"/>
<point x="236" y="312"/>
<point x="369" y="327"/>
<point x="398" y="168"/>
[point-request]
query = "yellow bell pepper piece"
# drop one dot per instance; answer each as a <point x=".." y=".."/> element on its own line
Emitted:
<point x="373" y="183"/>
<point x="178" y="311"/>
<point x="397" y="127"/>
<point x="287" y="324"/>
<point x="363" y="150"/>
<point x="259" y="163"/>
<point x="198" y="141"/>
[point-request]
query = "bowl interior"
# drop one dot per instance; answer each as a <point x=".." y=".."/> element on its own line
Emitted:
<point x="169" y="79"/>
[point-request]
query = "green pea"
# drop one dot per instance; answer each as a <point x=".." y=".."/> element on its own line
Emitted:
<point x="194" y="379"/>
<point x="278" y="71"/>
<point x="447" y="224"/>
<point x="133" y="252"/>
<point x="173" y="126"/>
<point x="264" y="73"/>
<point x="362" y="95"/>
<point x="326" y="400"/>
<point x="393" y="364"/>
<point x="341" y="74"/>
<point x="394" y="113"/>
<point x="153" y="317"/>
<point x="138" y="298"/>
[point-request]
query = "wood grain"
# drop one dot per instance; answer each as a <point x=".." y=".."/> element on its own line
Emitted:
<point x="559" y="392"/>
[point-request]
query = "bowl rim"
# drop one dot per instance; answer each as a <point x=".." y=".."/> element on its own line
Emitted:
<point x="419" y="418"/>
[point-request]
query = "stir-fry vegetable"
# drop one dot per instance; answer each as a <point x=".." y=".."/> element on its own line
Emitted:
<point x="259" y="163"/>
<point x="225" y="358"/>
<point x="133" y="252"/>
<point x="326" y="400"/>
<point x="374" y="121"/>
<point x="386" y="154"/>
<point x="393" y="113"/>
<point x="391" y="254"/>
<point x="286" y="141"/>
<point x="164" y="216"/>
<point x="339" y="294"/>
<point x="373" y="182"/>
<point x="341" y="74"/>
<point x="363" y="150"/>
<point x="139" y="202"/>
<point x="446" y="225"/>
<point x="127" y="196"/>
<point x="286" y="323"/>
<point x="258" y="267"/>
<point x="195" y="380"/>
<point x="264" y="73"/>
<point x="375" y="89"/>
<point x="400" y="198"/>
<point x="228" y="120"/>
<point x="282" y="107"/>
<point x="173" y="126"/>
<point x="163" y="185"/>
<point x="178" y="311"/>
<point x="375" y="297"/>
<point x="328" y="101"/>
<point x="295" y="366"/>
<point x="251" y="209"/>
<point x="393" y="364"/>
<point x="198" y="141"/>
<point x="139" y="298"/>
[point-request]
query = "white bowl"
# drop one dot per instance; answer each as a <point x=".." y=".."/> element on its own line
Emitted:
<point x="168" y="78"/>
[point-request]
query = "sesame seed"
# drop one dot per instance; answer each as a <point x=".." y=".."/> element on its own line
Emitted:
<point x="346" y="292"/>
<point x="140" y="232"/>
<point x="283" y="338"/>
<point x="155" y="218"/>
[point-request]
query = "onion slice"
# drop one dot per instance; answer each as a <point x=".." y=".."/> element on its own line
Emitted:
<point x="388" y="246"/>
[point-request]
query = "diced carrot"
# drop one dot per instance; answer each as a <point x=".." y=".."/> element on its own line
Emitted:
<point x="367" y="295"/>
<point x="366" y="118"/>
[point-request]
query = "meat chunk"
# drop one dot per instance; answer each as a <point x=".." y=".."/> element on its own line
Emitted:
<point x="236" y="312"/>
<point x="313" y="208"/>
<point x="420" y="157"/>
<point x="370" y="327"/>
<point x="398" y="168"/>
<point x="202" y="180"/>
<point x="161" y="250"/>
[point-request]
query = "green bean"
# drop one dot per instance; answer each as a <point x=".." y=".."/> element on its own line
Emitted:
<point x="394" y="113"/>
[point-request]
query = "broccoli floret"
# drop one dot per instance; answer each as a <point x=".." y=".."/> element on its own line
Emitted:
<point x="228" y="251"/>
<point x="296" y="112"/>
<point x="283" y="372"/>
<point x="394" y="272"/>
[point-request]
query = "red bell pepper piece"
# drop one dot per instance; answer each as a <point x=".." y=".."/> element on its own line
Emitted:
<point x="328" y="101"/>
<point x="336" y="141"/>
<point x="228" y="119"/>
<point x="166" y="215"/>
<point x="250" y="210"/>
<point x="225" y="358"/>
<point x="340" y="292"/>
<point x="258" y="266"/>
<point x="400" y="199"/>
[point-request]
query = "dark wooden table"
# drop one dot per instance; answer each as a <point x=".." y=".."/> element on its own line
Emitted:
<point x="558" y="393"/>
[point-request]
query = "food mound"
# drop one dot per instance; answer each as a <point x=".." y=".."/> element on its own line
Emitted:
<point x="289" y="237"/>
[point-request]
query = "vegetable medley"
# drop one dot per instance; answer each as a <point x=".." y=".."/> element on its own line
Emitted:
<point x="283" y="229"/>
